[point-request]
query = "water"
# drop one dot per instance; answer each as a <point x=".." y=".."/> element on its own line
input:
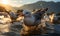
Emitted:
<point x="16" y="27"/>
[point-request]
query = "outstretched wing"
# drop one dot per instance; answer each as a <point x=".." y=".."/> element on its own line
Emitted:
<point x="38" y="14"/>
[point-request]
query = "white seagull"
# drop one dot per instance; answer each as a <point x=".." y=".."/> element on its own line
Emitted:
<point x="33" y="19"/>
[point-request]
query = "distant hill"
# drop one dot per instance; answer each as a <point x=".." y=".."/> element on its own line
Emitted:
<point x="7" y="7"/>
<point x="53" y="6"/>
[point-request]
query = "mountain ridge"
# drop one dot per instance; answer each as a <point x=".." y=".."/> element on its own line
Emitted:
<point x="53" y="6"/>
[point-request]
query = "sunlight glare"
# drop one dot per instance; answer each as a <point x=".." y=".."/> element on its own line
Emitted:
<point x="5" y="1"/>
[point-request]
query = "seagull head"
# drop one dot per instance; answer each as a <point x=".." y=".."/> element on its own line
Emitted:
<point x="27" y="13"/>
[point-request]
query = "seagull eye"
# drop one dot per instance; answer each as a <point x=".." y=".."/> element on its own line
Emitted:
<point x="27" y="13"/>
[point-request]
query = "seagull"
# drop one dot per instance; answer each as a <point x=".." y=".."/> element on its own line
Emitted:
<point x="33" y="19"/>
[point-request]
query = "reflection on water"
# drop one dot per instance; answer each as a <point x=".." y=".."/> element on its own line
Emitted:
<point x="4" y="28"/>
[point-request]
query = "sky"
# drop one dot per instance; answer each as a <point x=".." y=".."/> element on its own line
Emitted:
<point x="17" y="3"/>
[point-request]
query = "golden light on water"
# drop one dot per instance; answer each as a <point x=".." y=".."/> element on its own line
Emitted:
<point x="20" y="18"/>
<point x="6" y="23"/>
<point x="51" y="17"/>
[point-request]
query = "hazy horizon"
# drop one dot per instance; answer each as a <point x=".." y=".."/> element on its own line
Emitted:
<point x="17" y="3"/>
